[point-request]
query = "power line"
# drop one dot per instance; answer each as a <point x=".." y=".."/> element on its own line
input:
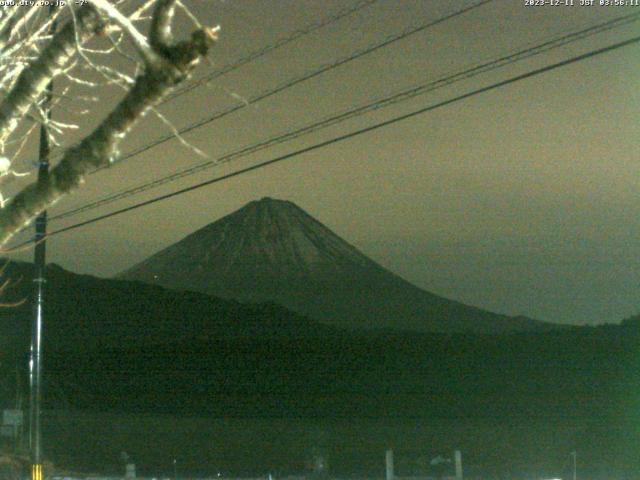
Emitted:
<point x="307" y="76"/>
<point x="263" y="51"/>
<point x="267" y="49"/>
<point x="351" y="113"/>
<point x="350" y="135"/>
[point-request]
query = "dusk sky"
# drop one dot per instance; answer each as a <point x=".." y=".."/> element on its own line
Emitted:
<point x="522" y="200"/>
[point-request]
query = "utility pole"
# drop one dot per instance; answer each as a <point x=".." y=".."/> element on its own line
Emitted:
<point x="35" y="363"/>
<point x="574" y="454"/>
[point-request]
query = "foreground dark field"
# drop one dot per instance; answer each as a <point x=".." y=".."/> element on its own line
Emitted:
<point x="492" y="447"/>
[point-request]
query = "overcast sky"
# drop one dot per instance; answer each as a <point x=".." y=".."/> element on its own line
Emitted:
<point x="523" y="200"/>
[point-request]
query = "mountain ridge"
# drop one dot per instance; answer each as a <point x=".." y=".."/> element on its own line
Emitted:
<point x="86" y="312"/>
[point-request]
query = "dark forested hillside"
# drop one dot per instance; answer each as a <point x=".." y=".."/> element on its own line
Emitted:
<point x="582" y="372"/>
<point x="133" y="347"/>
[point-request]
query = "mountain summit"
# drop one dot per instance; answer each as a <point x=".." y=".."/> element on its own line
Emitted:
<point x="272" y="250"/>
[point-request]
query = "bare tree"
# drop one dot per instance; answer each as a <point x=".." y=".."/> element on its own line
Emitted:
<point x="31" y="58"/>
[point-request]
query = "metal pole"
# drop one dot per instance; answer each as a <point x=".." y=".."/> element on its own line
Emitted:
<point x="458" y="460"/>
<point x="389" y="465"/>
<point x="35" y="363"/>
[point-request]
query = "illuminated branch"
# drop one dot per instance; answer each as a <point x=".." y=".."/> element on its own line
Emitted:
<point x="34" y="79"/>
<point x="169" y="64"/>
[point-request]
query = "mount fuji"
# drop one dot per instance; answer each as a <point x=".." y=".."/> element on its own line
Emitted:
<point x="272" y="250"/>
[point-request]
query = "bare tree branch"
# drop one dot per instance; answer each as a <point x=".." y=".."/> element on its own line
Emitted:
<point x="139" y="40"/>
<point x="160" y="34"/>
<point x="170" y="65"/>
<point x="33" y="81"/>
